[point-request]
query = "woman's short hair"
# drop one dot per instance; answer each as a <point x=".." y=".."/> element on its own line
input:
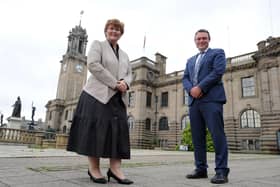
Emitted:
<point x="116" y="23"/>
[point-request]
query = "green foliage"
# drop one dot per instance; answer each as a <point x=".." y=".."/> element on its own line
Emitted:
<point x="177" y="148"/>
<point x="155" y="141"/>
<point x="187" y="139"/>
<point x="209" y="142"/>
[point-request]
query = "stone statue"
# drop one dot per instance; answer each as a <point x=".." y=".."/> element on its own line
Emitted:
<point x="33" y="113"/>
<point x="17" y="108"/>
<point x="1" y="119"/>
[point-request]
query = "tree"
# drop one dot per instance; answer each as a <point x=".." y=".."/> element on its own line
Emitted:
<point x="187" y="139"/>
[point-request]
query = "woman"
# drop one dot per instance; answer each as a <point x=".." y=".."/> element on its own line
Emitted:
<point x="99" y="127"/>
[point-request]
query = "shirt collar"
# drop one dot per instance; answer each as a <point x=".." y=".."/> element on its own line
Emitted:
<point x="201" y="52"/>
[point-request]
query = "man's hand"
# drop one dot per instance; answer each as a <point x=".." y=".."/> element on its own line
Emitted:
<point x="121" y="86"/>
<point x="196" y="92"/>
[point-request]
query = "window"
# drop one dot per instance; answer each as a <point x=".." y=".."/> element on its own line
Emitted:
<point x="131" y="99"/>
<point x="80" y="47"/>
<point x="185" y="97"/>
<point x="164" y="99"/>
<point x="148" y="124"/>
<point x="248" y="86"/>
<point x="163" y="143"/>
<point x="50" y="115"/>
<point x="250" y="119"/>
<point x="130" y="121"/>
<point x="257" y="145"/>
<point x="163" y="124"/>
<point x="185" y="121"/>
<point x="250" y="144"/>
<point x="66" y="115"/>
<point x="149" y="99"/>
<point x="64" y="129"/>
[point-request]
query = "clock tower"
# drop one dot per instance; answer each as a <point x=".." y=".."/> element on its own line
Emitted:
<point x="73" y="71"/>
<point x="72" y="77"/>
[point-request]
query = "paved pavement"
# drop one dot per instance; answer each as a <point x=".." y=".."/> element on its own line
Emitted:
<point x="21" y="166"/>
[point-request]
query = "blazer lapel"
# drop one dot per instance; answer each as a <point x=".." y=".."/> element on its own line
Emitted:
<point x="192" y="65"/>
<point x="204" y="59"/>
<point x="109" y="48"/>
<point x="109" y="59"/>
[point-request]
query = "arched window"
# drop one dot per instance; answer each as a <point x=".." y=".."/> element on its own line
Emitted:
<point x="66" y="115"/>
<point x="185" y="121"/>
<point x="163" y="123"/>
<point x="148" y="124"/>
<point x="130" y="121"/>
<point x="250" y="119"/>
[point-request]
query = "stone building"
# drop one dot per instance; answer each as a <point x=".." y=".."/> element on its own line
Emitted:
<point x="252" y="113"/>
<point x="72" y="77"/>
<point x="157" y="102"/>
<point x="157" y="111"/>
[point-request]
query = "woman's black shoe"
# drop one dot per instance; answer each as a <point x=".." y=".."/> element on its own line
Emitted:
<point x="101" y="180"/>
<point x="120" y="181"/>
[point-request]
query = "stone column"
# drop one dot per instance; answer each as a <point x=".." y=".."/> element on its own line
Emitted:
<point x="39" y="138"/>
<point x="265" y="91"/>
<point x="61" y="141"/>
<point x="275" y="88"/>
<point x="229" y="119"/>
<point x="270" y="99"/>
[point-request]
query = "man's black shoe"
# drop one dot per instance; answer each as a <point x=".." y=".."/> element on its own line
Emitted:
<point x="219" y="178"/>
<point x="196" y="174"/>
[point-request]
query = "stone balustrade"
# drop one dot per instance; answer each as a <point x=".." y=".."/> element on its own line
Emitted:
<point x="39" y="139"/>
<point x="17" y="136"/>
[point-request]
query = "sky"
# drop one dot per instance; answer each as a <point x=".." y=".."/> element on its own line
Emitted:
<point x="33" y="37"/>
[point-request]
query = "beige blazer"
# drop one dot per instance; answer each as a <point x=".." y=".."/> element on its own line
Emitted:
<point x="105" y="71"/>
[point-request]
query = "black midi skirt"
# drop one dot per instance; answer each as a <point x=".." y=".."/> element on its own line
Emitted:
<point x="100" y="130"/>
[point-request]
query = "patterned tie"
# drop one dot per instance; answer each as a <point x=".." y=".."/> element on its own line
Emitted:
<point x="197" y="66"/>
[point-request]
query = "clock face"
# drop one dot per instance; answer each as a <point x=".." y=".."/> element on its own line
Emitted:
<point x="79" y="68"/>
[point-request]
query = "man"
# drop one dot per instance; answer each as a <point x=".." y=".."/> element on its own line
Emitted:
<point x="203" y="81"/>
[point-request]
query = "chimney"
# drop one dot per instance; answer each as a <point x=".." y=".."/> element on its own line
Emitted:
<point x="161" y="63"/>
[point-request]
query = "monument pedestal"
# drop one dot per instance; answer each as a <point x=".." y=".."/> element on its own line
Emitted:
<point x="14" y="122"/>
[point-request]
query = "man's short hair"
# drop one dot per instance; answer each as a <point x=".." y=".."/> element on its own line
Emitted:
<point x="203" y="30"/>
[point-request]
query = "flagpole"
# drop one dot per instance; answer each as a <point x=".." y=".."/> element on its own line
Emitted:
<point x="81" y="13"/>
<point x="144" y="44"/>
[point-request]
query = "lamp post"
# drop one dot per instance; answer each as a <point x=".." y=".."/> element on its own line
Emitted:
<point x="155" y="123"/>
<point x="156" y="112"/>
